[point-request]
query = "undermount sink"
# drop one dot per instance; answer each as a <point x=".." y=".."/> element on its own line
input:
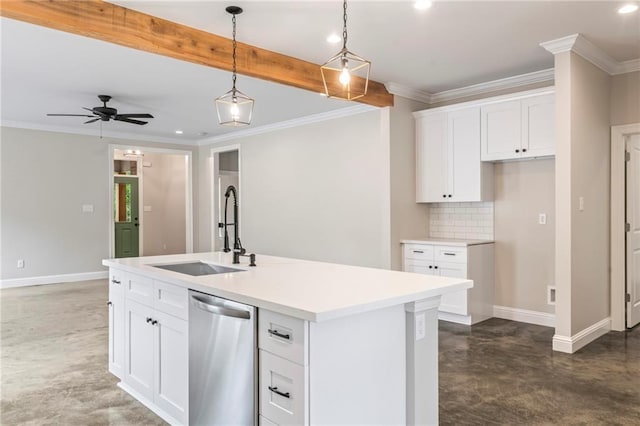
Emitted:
<point x="197" y="268"/>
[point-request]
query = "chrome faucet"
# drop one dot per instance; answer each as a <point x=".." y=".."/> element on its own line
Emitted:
<point x="238" y="250"/>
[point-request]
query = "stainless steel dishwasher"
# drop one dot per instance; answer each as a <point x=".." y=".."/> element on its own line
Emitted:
<point x="222" y="361"/>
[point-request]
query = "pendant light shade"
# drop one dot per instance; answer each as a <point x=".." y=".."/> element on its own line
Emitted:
<point x="234" y="107"/>
<point x="345" y="75"/>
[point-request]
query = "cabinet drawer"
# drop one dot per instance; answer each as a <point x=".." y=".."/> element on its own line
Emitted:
<point x="283" y="399"/>
<point x="283" y="335"/>
<point x="450" y="254"/>
<point x="116" y="281"/>
<point x="171" y="299"/>
<point x="138" y="288"/>
<point x="418" y="252"/>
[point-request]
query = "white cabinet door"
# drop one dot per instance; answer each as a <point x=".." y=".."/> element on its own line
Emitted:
<point x="501" y="131"/>
<point x="454" y="302"/>
<point x="116" y="328"/>
<point x="431" y="157"/>
<point x="171" y="365"/>
<point x="538" y="126"/>
<point x="139" y="348"/>
<point x="464" y="159"/>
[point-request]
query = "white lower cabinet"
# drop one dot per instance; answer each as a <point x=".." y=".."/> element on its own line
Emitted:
<point x="474" y="262"/>
<point x="155" y="343"/>
<point x="283" y="397"/>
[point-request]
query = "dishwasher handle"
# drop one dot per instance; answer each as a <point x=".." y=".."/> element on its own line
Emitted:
<point x="219" y="309"/>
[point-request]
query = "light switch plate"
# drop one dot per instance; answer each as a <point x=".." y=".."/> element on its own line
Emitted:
<point x="542" y="218"/>
<point x="147" y="208"/>
<point x="87" y="208"/>
<point x="420" y="326"/>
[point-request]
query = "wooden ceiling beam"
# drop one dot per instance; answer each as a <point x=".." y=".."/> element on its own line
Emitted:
<point x="126" y="27"/>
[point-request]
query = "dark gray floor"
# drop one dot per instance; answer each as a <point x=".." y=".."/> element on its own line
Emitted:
<point x="54" y="369"/>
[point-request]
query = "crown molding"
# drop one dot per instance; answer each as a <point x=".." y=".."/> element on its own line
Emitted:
<point x="309" y="119"/>
<point x="106" y="134"/>
<point x="409" y="93"/>
<point x="495" y="85"/>
<point x="577" y="43"/>
<point x="476" y="89"/>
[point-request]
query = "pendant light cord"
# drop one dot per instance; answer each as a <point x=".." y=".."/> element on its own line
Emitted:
<point x="233" y="20"/>
<point x="344" y="27"/>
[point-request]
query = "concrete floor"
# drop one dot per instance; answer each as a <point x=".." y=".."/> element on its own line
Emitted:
<point x="53" y="352"/>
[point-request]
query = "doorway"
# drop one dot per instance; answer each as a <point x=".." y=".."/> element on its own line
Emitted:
<point x="633" y="230"/>
<point x="226" y="172"/>
<point x="127" y="237"/>
<point x="151" y="199"/>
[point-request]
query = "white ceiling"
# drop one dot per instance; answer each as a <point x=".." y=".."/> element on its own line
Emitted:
<point x="453" y="44"/>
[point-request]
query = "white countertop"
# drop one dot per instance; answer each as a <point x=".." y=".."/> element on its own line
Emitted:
<point x="445" y="241"/>
<point x="313" y="291"/>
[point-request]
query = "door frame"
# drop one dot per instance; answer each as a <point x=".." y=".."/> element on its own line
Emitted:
<point x="618" y="248"/>
<point x="188" y="193"/>
<point x="212" y="179"/>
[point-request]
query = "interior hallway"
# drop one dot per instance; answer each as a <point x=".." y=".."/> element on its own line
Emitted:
<point x="54" y="368"/>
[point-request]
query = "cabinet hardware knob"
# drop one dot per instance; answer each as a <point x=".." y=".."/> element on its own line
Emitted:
<point x="517" y="150"/>
<point x="109" y="303"/>
<point x="430" y="267"/>
<point x="154" y="322"/>
<point x="276" y="391"/>
<point x="449" y="195"/>
<point x="115" y="281"/>
<point x="444" y="195"/>
<point x="524" y="149"/>
<point x="278" y="334"/>
<point x="435" y="267"/>
<point x="149" y="320"/>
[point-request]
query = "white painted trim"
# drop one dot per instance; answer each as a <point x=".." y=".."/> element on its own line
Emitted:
<point x="301" y="121"/>
<point x="473" y="90"/>
<point x="487" y="101"/>
<point x="582" y="338"/>
<point x="53" y="279"/>
<point x="618" y="248"/>
<point x="106" y="134"/>
<point x="458" y="319"/>
<point x="495" y="85"/>
<point x="524" y="315"/>
<point x="149" y="404"/>
<point x="577" y="43"/>
<point x="409" y="93"/>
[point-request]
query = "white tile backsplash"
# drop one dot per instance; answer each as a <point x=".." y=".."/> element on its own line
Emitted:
<point x="461" y="220"/>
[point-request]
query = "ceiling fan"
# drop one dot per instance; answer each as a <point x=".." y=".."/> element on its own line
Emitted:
<point x="106" y="113"/>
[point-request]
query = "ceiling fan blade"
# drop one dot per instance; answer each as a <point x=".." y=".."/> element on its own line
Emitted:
<point x="95" y="113"/>
<point x="92" y="121"/>
<point x="135" y="115"/>
<point x="70" y="115"/>
<point x="128" y="120"/>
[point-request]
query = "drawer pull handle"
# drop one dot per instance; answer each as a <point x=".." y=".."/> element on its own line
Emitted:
<point x="115" y="281"/>
<point x="418" y="251"/>
<point x="276" y="391"/>
<point x="449" y="254"/>
<point x="109" y="303"/>
<point x="278" y="334"/>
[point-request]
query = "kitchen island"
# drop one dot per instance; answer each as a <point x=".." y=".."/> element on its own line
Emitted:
<point x="339" y="344"/>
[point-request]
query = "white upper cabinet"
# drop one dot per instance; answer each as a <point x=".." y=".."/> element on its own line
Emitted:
<point x="448" y="166"/>
<point x="520" y="128"/>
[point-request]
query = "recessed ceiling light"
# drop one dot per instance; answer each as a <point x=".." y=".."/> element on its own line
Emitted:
<point x="179" y="132"/>
<point x="423" y="4"/>
<point x="628" y="8"/>
<point x="334" y="38"/>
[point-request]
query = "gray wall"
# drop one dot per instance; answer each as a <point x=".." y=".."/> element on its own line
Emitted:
<point x="319" y="191"/>
<point x="164" y="191"/>
<point x="625" y="98"/>
<point x="524" y="249"/>
<point x="45" y="178"/>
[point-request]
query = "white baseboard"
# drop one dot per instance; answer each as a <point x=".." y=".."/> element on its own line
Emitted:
<point x="524" y="315"/>
<point x="149" y="404"/>
<point x="582" y="338"/>
<point x="53" y="279"/>
<point x="460" y="319"/>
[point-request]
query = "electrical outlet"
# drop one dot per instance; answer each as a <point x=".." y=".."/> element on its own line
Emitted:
<point x="551" y="295"/>
<point x="542" y="219"/>
<point x="420" y="326"/>
<point x="581" y="204"/>
<point x="20" y="263"/>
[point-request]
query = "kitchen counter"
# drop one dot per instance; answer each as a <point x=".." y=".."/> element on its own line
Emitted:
<point x="445" y="241"/>
<point x="308" y="290"/>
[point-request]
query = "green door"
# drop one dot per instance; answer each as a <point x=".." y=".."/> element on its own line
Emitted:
<point x="125" y="210"/>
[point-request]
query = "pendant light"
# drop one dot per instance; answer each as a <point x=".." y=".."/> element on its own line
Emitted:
<point x="345" y="75"/>
<point x="234" y="107"/>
